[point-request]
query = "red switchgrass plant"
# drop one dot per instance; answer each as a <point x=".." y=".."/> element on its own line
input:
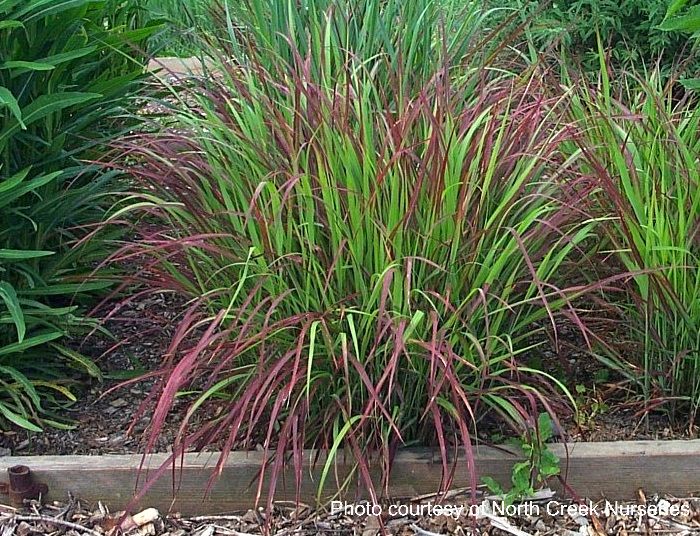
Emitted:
<point x="363" y="275"/>
<point x="643" y="149"/>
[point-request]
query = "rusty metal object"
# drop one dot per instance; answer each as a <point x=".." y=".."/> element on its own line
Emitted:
<point x="22" y="486"/>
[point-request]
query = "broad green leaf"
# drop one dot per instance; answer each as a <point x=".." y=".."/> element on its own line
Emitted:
<point x="493" y="486"/>
<point x="125" y="374"/>
<point x="32" y="307"/>
<point x="57" y="59"/>
<point x="549" y="463"/>
<point x="9" y="296"/>
<point x="27" y="65"/>
<point x="8" y="99"/>
<point x="675" y="7"/>
<point x="58" y="425"/>
<point x="26" y="187"/>
<point x="10" y="24"/>
<point x="30" y="342"/>
<point x="66" y="288"/>
<point x="40" y="9"/>
<point x="7" y="5"/>
<point x="114" y="84"/>
<point x="688" y="22"/>
<point x="691" y="83"/>
<point x="57" y="387"/>
<point x="18" y="419"/>
<point x="83" y="361"/>
<point x="544" y="424"/>
<point x="521" y="476"/>
<point x="12" y="182"/>
<point x="24" y="382"/>
<point x="133" y="36"/>
<point x="46" y="105"/>
<point x="23" y="254"/>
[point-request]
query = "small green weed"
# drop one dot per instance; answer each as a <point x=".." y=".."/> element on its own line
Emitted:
<point x="540" y="463"/>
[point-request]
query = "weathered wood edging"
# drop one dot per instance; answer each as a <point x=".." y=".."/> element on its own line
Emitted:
<point x="615" y="470"/>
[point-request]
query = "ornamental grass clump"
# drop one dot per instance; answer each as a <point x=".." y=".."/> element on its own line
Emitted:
<point x="366" y="271"/>
<point x="399" y="44"/>
<point x="643" y="149"/>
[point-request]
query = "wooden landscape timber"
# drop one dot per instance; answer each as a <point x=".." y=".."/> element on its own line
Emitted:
<point x="173" y="66"/>
<point x="615" y="470"/>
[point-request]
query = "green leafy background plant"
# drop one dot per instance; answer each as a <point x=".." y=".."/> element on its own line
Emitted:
<point x="631" y="31"/>
<point x="680" y="17"/>
<point x="66" y="70"/>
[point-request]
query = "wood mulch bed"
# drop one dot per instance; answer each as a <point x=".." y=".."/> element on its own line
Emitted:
<point x="100" y="422"/>
<point x="544" y="517"/>
<point x="145" y="327"/>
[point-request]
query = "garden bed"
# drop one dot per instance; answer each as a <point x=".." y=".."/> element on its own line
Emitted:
<point x="328" y="232"/>
<point x="98" y="455"/>
<point x="144" y="327"/>
<point x="615" y="470"/>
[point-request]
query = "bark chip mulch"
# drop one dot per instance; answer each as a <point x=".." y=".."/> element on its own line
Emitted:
<point x="544" y="515"/>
